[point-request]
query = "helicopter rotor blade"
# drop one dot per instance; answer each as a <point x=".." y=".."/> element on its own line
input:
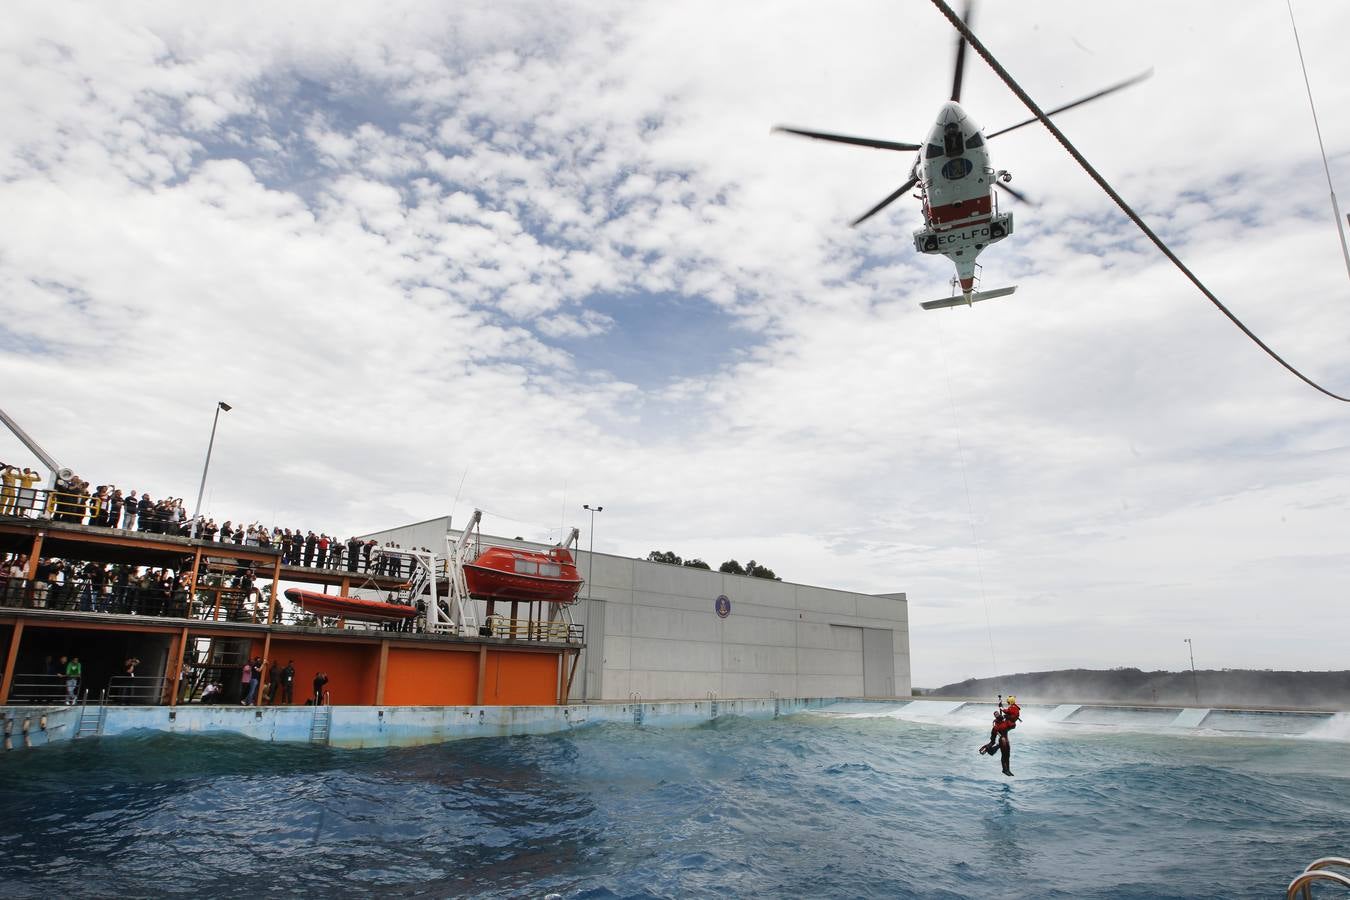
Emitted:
<point x="847" y="139"/>
<point x="1079" y="102"/>
<point x="960" y="68"/>
<point x="1016" y="194"/>
<point x="885" y="203"/>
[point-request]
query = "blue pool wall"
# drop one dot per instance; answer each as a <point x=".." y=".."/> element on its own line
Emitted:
<point x="406" y="726"/>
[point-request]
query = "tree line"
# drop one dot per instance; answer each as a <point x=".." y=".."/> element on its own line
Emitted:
<point x="731" y="566"/>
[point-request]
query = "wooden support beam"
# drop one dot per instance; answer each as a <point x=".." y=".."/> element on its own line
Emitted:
<point x="383" y="673"/>
<point x="571" y="676"/>
<point x="345" y="589"/>
<point x="33" y="555"/>
<point x="266" y="657"/>
<point x="7" y="681"/>
<point x="482" y="675"/>
<point x="176" y="673"/>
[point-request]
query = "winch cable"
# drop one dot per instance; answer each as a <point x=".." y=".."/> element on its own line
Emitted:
<point x="1120" y="201"/>
<point x="1335" y="207"/>
<point x="970" y="505"/>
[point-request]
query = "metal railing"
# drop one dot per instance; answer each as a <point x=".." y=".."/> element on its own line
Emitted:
<point x="84" y="596"/>
<point x="1319" y="870"/>
<point x="524" y="630"/>
<point x="37" y="688"/>
<point x="135" y="690"/>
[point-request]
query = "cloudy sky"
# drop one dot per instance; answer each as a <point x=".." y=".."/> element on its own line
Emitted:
<point x="525" y="256"/>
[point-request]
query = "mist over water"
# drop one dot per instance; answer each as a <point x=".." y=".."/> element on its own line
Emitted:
<point x="853" y="802"/>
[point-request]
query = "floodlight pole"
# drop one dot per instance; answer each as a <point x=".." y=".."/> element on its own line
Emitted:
<point x="1195" y="685"/>
<point x="197" y="511"/>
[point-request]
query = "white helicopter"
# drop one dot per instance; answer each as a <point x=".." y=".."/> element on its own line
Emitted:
<point x="956" y="184"/>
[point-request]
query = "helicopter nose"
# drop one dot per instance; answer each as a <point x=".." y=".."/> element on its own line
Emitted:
<point x="951" y="112"/>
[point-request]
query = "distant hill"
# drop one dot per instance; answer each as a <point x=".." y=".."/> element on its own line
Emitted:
<point x="1229" y="687"/>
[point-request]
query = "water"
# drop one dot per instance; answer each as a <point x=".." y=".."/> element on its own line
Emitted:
<point x="816" y="805"/>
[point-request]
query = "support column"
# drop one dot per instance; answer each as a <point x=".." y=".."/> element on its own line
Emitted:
<point x="558" y="681"/>
<point x="11" y="658"/>
<point x="482" y="674"/>
<point x="384" y="671"/>
<point x="196" y="567"/>
<point x="345" y="590"/>
<point x="272" y="601"/>
<point x="515" y="611"/>
<point x="262" y="673"/>
<point x="176" y="672"/>
<point x="33" y="555"/>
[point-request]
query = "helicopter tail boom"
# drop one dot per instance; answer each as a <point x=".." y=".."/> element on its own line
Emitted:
<point x="967" y="299"/>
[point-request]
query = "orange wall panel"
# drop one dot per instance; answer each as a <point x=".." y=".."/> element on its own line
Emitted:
<point x="430" y="677"/>
<point x="352" y="669"/>
<point x="521" y="679"/>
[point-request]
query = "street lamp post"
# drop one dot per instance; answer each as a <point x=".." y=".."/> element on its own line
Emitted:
<point x="590" y="571"/>
<point x="197" y="512"/>
<point x="1195" y="685"/>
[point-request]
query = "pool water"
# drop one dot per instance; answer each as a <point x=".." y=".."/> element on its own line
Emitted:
<point x="854" y="802"/>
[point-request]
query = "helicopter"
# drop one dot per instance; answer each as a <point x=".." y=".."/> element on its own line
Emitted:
<point x="956" y="182"/>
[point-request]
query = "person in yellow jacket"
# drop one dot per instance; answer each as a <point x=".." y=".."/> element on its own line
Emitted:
<point x="27" y="496"/>
<point x="10" y="494"/>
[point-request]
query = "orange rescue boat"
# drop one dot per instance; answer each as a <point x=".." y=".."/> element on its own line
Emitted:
<point x="331" y="606"/>
<point x="507" y="573"/>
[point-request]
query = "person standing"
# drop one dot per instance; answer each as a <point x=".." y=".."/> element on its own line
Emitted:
<point x="320" y="681"/>
<point x="74" y="672"/>
<point x="322" y="545"/>
<point x="130" y="510"/>
<point x="353" y="551"/>
<point x="273" y="682"/>
<point x="246" y="683"/>
<point x="288" y="683"/>
<point x="28" y="479"/>
<point x="10" y="496"/>
<point x="311" y="543"/>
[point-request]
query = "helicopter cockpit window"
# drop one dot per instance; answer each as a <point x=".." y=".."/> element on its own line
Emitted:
<point x="952" y="141"/>
<point x="975" y="140"/>
<point x="933" y="151"/>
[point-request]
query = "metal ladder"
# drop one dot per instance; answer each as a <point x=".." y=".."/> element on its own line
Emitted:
<point x="91" y="723"/>
<point x="1319" y="870"/>
<point x="322" y="725"/>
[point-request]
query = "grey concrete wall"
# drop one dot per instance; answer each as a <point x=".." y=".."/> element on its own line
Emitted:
<point x="652" y="629"/>
<point x="662" y="637"/>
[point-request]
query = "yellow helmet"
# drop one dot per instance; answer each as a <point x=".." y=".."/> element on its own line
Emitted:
<point x="1012" y="700"/>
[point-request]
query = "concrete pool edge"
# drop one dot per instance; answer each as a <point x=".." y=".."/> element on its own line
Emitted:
<point x="354" y="727"/>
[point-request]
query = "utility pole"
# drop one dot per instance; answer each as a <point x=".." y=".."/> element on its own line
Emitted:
<point x="1195" y="685"/>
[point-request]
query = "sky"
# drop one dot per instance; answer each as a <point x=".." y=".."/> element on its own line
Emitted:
<point x="527" y="256"/>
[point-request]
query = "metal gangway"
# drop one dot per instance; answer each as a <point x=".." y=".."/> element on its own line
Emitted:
<point x="1319" y="870"/>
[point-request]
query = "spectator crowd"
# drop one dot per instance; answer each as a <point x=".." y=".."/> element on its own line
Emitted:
<point x="107" y="506"/>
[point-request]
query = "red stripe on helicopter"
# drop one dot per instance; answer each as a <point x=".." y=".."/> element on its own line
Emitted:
<point x="962" y="209"/>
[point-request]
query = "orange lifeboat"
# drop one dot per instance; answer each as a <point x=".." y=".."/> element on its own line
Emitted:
<point x="356" y="608"/>
<point x="506" y="573"/>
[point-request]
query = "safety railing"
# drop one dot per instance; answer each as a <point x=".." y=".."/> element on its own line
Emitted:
<point x="84" y="596"/>
<point x="134" y="690"/>
<point x="1319" y="870"/>
<point x="558" y="632"/>
<point x="37" y="688"/>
